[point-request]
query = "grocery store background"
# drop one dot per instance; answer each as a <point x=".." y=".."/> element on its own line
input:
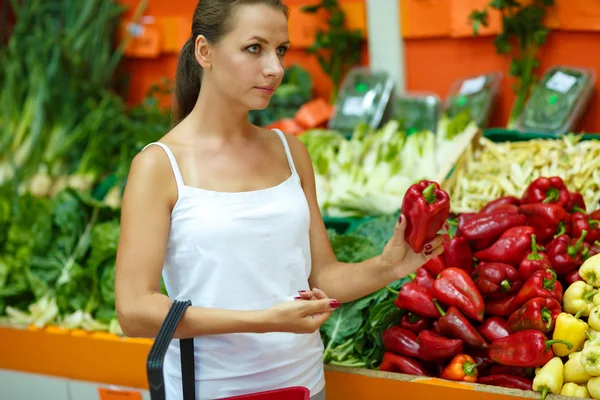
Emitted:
<point x="60" y="350"/>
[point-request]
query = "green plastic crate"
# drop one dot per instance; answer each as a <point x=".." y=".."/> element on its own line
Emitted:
<point x="507" y="135"/>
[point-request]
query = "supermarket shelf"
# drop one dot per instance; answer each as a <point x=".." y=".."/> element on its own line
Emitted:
<point x="89" y="360"/>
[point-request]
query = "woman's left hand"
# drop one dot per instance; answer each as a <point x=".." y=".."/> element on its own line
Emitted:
<point x="398" y="255"/>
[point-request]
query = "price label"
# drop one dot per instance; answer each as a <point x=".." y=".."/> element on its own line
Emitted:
<point x="354" y="106"/>
<point x="473" y="85"/>
<point x="116" y="394"/>
<point x="561" y="82"/>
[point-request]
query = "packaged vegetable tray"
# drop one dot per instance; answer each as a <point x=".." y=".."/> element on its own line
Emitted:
<point x="417" y="111"/>
<point x="558" y="101"/>
<point x="475" y="94"/>
<point x="363" y="97"/>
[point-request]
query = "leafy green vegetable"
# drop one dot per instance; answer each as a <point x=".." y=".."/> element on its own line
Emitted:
<point x="474" y="95"/>
<point x="378" y="230"/>
<point x="554" y="101"/>
<point x="352" y="248"/>
<point x="417" y="112"/>
<point x="352" y="334"/>
<point x="523" y="34"/>
<point x="363" y="98"/>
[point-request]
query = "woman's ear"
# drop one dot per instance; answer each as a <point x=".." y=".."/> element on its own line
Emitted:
<point x="203" y="52"/>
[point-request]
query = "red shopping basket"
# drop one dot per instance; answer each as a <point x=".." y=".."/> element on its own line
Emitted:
<point x="159" y="349"/>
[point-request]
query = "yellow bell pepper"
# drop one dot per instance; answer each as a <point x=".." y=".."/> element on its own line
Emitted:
<point x="579" y="296"/>
<point x="593" y="387"/>
<point x="590" y="270"/>
<point x="574" y="370"/>
<point x="550" y="378"/>
<point x="596" y="299"/>
<point x="590" y="360"/>
<point x="574" y="390"/>
<point x="571" y="329"/>
<point x="594" y="318"/>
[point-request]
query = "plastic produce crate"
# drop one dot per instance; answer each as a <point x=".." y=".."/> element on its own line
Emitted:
<point x="559" y="100"/>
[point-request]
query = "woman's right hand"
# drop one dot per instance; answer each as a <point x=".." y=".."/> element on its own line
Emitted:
<point x="305" y="315"/>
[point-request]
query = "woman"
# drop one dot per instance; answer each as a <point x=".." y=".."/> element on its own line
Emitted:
<point x="227" y="212"/>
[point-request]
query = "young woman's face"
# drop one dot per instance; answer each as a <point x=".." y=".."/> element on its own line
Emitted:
<point x="247" y="63"/>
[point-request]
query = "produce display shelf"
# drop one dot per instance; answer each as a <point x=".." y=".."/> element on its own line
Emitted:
<point x="108" y="359"/>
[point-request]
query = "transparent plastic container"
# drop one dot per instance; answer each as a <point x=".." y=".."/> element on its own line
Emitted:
<point x="558" y="101"/>
<point x="474" y="94"/>
<point x="363" y="98"/>
<point x="417" y="111"/>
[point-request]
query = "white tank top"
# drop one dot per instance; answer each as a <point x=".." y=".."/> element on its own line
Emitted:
<point x="242" y="251"/>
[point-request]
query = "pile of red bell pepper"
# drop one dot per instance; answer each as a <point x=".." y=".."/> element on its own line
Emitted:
<point x="485" y="309"/>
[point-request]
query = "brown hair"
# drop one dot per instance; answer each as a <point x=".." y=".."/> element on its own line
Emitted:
<point x="211" y="19"/>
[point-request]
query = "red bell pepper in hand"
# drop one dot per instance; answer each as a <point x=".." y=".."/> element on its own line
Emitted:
<point x="528" y="348"/>
<point x="547" y="220"/>
<point x="395" y="363"/>
<point x="493" y="328"/>
<point x="510" y="248"/>
<point x="580" y="223"/>
<point x="417" y="299"/>
<point x="538" y="313"/>
<point x="426" y="207"/>
<point x="565" y="253"/>
<point x="534" y="261"/>
<point x="435" y="265"/>
<point x="484" y="229"/>
<point x="400" y="341"/>
<point x="415" y="323"/>
<point x="507" y="381"/>
<point x="500" y="203"/>
<point x="502" y="307"/>
<point x="455" y="325"/>
<point x="433" y="347"/>
<point x="572" y="278"/>
<point x="461" y="368"/>
<point x="454" y="287"/>
<point x="424" y="278"/>
<point x="576" y="203"/>
<point x="547" y="190"/>
<point x="457" y="254"/>
<point x="496" y="279"/>
<point x="541" y="284"/>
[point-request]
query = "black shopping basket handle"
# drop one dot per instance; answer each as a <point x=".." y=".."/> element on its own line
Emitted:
<point x="156" y="359"/>
<point x="157" y="353"/>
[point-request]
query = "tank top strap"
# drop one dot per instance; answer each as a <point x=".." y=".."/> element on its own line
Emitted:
<point x="288" y="153"/>
<point x="173" y="161"/>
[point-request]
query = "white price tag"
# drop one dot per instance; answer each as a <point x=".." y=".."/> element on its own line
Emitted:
<point x="354" y="106"/>
<point x="473" y="85"/>
<point x="561" y="82"/>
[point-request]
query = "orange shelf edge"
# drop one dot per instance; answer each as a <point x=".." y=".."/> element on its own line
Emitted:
<point x="107" y="359"/>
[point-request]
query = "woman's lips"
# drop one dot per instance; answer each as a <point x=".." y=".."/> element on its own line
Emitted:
<point x="265" y="90"/>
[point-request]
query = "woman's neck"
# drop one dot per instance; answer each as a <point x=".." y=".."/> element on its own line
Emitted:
<point x="217" y="115"/>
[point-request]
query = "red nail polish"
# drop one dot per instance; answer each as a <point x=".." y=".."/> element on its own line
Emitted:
<point x="334" y="304"/>
<point x="400" y="219"/>
<point x="428" y="247"/>
<point x="428" y="253"/>
<point x="301" y="291"/>
<point x="297" y="298"/>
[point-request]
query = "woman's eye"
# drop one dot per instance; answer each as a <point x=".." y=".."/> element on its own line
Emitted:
<point x="281" y="51"/>
<point x="254" y="49"/>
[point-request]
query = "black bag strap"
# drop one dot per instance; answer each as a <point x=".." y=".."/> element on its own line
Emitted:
<point x="159" y="348"/>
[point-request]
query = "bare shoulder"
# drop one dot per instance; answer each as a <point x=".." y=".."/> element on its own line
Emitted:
<point x="151" y="174"/>
<point x="300" y="155"/>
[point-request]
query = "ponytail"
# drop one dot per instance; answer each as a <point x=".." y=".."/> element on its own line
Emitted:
<point x="188" y="79"/>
